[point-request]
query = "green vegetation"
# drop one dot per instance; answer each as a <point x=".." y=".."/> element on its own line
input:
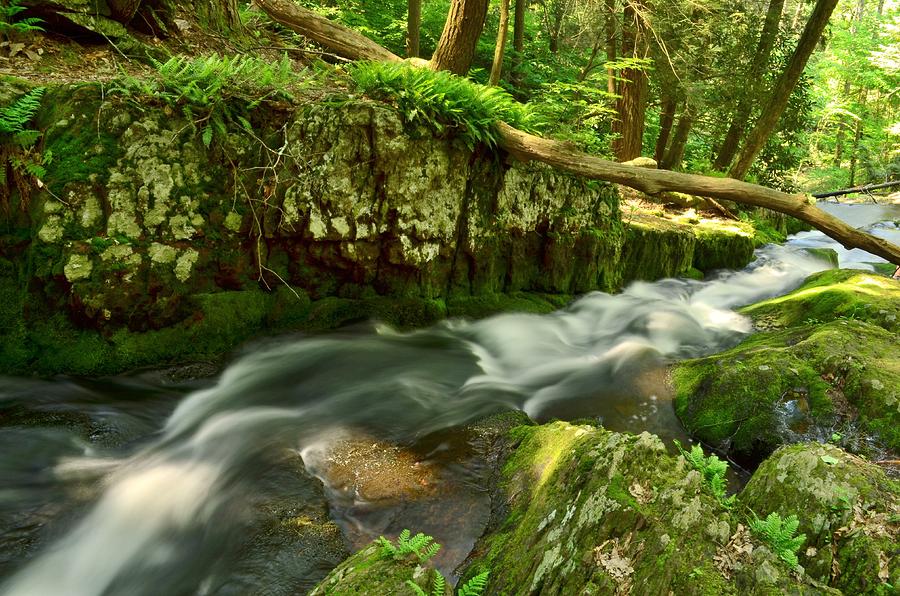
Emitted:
<point x="421" y="546"/>
<point x="18" y="158"/>
<point x="713" y="471"/>
<point x="779" y="535"/>
<point x="10" y="22"/>
<point x="214" y="92"/>
<point x="442" y="101"/>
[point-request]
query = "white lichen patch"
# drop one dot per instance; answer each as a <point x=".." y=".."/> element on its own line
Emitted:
<point x="185" y="264"/>
<point x="550" y="561"/>
<point x="161" y="253"/>
<point x="78" y="267"/>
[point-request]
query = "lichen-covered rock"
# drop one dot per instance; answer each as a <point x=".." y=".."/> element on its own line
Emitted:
<point x="847" y="507"/>
<point x="597" y="512"/>
<point x="370" y="571"/>
<point x="140" y="222"/>
<point x="806" y="377"/>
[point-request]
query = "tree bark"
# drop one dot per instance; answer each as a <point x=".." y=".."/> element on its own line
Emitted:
<point x="611" y="45"/>
<point x="218" y="15"/>
<point x="413" y="22"/>
<point x="631" y="106"/>
<point x="675" y="154"/>
<point x="519" y="27"/>
<point x="497" y="66"/>
<point x="561" y="155"/>
<point x="666" y="120"/>
<point x="342" y="41"/>
<point x="754" y="80"/>
<point x="456" y="48"/>
<point x="123" y="10"/>
<point x="528" y="147"/>
<point x="768" y="120"/>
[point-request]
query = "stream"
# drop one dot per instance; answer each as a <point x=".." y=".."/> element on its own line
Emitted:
<point x="151" y="482"/>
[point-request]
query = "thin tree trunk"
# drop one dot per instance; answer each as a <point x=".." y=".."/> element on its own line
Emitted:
<point x="456" y="48"/>
<point x="497" y="66"/>
<point x="631" y="106"/>
<point x="413" y="22"/>
<point x="583" y="74"/>
<point x="754" y="79"/>
<point x="666" y="120"/>
<point x="611" y="45"/>
<point x="675" y="153"/>
<point x="218" y="15"/>
<point x="857" y="135"/>
<point x="526" y="147"/>
<point x="519" y="33"/>
<point x="783" y="88"/>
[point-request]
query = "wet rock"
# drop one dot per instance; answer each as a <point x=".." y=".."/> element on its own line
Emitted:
<point x="847" y="508"/>
<point x="830" y="362"/>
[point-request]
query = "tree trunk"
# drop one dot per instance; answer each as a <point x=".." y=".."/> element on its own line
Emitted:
<point x="754" y="80"/>
<point x="519" y="27"/>
<point x="497" y="66"/>
<point x="631" y="106"/>
<point x="666" y="120"/>
<point x="413" y="21"/>
<point x="675" y="153"/>
<point x="857" y="135"/>
<point x="344" y="42"/>
<point x="768" y="120"/>
<point x="217" y="15"/>
<point x="561" y="155"/>
<point x="611" y="45"/>
<point x="456" y="48"/>
<point x="583" y="74"/>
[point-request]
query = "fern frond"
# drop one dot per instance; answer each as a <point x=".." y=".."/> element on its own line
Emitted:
<point x="439" y="584"/>
<point x="415" y="588"/>
<point x="475" y="586"/>
<point x="14" y="117"/>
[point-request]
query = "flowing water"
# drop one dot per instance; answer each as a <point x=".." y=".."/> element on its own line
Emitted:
<point x="143" y="485"/>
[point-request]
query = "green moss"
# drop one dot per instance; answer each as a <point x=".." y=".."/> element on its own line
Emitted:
<point x="478" y="307"/>
<point x="831" y="295"/>
<point x="844" y="505"/>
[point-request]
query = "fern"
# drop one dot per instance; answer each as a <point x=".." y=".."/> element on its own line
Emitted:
<point x="438" y="585"/>
<point x="420" y="545"/>
<point x="443" y="101"/>
<point x="778" y="534"/>
<point x="14" y="117"/>
<point x="475" y="586"/>
<point x="713" y="471"/>
<point x="11" y="23"/>
<point x="213" y="90"/>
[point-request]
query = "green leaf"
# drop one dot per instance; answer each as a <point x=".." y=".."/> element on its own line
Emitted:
<point x="829" y="459"/>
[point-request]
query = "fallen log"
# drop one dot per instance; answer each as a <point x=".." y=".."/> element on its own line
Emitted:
<point x="526" y="147"/>
<point x="847" y="191"/>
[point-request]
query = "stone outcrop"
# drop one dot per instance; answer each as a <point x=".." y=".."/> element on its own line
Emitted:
<point x="145" y="246"/>
<point x="827" y="362"/>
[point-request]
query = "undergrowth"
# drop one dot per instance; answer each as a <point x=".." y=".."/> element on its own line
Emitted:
<point x="713" y="471"/>
<point x="214" y="92"/>
<point x="424" y="547"/>
<point x="20" y="162"/>
<point x="12" y="24"/>
<point x="778" y="535"/>
<point x="443" y="101"/>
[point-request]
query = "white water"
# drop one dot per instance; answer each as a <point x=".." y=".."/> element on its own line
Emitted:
<point x="167" y="510"/>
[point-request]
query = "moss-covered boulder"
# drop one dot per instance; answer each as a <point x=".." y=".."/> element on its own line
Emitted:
<point x="829" y="363"/>
<point x="371" y="571"/>
<point x="830" y="295"/>
<point x="590" y="511"/>
<point x="847" y="507"/>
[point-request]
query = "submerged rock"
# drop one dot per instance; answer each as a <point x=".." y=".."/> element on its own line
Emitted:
<point x="589" y="511"/>
<point x="829" y="362"/>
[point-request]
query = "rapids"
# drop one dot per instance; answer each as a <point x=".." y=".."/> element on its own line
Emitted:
<point x="163" y="506"/>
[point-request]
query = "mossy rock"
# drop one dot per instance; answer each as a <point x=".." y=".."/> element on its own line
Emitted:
<point x="847" y="507"/>
<point x="598" y="512"/>
<point x="791" y="385"/>
<point x="370" y="571"/>
<point x="829" y="295"/>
